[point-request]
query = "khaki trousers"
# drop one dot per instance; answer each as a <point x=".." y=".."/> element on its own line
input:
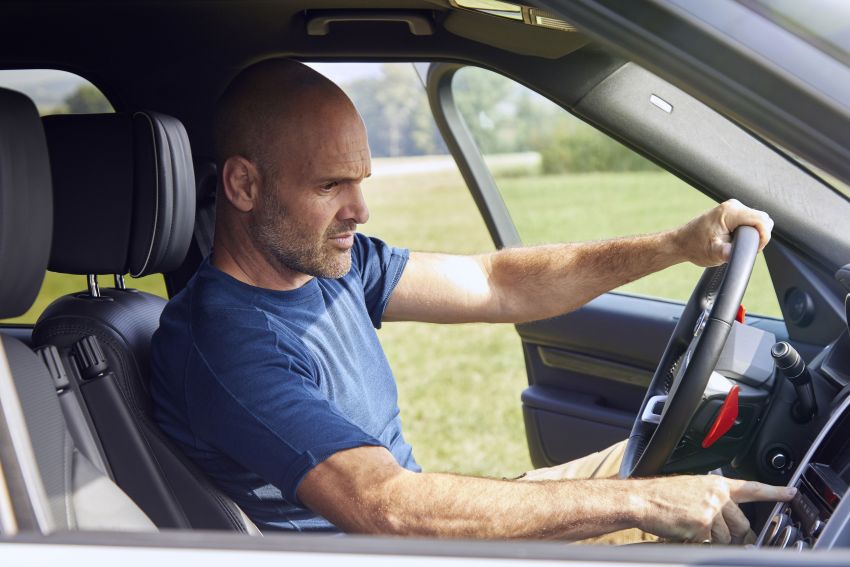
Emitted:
<point x="604" y="464"/>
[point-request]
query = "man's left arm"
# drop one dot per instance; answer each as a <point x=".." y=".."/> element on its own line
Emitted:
<point x="515" y="285"/>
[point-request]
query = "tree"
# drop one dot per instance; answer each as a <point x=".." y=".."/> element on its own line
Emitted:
<point x="486" y="102"/>
<point x="396" y="112"/>
<point x="87" y="100"/>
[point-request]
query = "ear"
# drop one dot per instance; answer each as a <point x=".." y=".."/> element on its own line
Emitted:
<point x="241" y="183"/>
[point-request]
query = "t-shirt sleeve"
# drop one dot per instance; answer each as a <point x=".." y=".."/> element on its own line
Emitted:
<point x="379" y="266"/>
<point x="259" y="403"/>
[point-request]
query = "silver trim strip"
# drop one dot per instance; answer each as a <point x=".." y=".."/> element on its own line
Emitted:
<point x="156" y="202"/>
<point x="22" y="445"/>
<point x="650" y="416"/>
<point x="8" y="523"/>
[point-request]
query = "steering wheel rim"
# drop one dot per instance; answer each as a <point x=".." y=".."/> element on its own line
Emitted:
<point x="690" y="356"/>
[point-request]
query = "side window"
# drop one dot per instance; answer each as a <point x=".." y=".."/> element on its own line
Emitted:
<point x="563" y="180"/>
<point x="458" y="384"/>
<point x="60" y="92"/>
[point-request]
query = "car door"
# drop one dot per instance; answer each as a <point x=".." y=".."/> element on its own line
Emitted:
<point x="588" y="370"/>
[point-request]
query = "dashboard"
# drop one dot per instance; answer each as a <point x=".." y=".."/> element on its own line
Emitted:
<point x="818" y="517"/>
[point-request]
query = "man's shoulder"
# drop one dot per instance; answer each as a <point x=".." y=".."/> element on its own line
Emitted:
<point x="224" y="332"/>
<point x="208" y="307"/>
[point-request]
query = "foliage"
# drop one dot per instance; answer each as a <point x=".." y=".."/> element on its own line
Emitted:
<point x="505" y="117"/>
<point x="395" y="109"/>
<point x="501" y="115"/>
<point x="87" y="100"/>
<point x="580" y="149"/>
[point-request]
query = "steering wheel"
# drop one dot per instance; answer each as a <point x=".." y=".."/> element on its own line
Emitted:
<point x="689" y="358"/>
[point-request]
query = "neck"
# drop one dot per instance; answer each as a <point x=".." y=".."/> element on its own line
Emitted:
<point x="238" y="257"/>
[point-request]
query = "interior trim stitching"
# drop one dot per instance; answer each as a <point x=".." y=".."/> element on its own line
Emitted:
<point x="156" y="195"/>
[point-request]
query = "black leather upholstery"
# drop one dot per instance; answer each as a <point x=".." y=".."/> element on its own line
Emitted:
<point x="117" y="197"/>
<point x="160" y="200"/>
<point x="160" y="246"/>
<point x="164" y="483"/>
<point x="26" y="209"/>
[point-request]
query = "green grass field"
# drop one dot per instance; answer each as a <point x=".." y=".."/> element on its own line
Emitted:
<point x="459" y="385"/>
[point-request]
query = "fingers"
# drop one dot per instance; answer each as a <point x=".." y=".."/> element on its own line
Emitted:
<point x="737" y="522"/>
<point x="706" y="240"/>
<point x="735" y="214"/>
<point x="720" y="531"/>
<point x="749" y="491"/>
<point x="704" y="508"/>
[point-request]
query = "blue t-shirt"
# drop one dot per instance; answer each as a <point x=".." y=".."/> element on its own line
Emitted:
<point x="259" y="386"/>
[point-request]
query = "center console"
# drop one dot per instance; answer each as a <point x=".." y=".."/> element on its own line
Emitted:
<point x="819" y="515"/>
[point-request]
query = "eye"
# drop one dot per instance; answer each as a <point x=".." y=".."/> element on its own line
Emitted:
<point x="328" y="187"/>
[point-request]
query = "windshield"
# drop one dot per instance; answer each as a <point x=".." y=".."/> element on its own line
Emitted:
<point x="825" y="24"/>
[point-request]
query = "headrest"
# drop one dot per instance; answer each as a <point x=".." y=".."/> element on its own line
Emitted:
<point x="123" y="193"/>
<point x="26" y="203"/>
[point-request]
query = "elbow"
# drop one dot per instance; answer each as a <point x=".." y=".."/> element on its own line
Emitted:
<point x="380" y="509"/>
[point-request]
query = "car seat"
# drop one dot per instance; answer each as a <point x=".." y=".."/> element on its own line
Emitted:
<point x="124" y="198"/>
<point x="67" y="491"/>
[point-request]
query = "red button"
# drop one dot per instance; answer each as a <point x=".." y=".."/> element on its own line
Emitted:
<point x="725" y="418"/>
<point x="742" y="314"/>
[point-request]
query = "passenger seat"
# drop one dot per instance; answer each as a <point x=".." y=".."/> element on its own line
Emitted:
<point x="124" y="197"/>
<point x="70" y="493"/>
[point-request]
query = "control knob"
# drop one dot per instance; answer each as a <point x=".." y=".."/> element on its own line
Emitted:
<point x="779" y="460"/>
<point x="777" y="524"/>
<point x="788" y="537"/>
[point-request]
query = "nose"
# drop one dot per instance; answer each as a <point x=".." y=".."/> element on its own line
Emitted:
<point x="355" y="209"/>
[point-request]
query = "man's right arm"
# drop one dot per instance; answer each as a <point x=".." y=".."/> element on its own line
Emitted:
<point x="364" y="490"/>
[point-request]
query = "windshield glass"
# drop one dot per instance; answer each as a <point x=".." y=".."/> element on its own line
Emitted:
<point x="824" y="24"/>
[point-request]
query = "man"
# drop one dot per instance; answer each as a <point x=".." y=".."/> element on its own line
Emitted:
<point x="269" y="374"/>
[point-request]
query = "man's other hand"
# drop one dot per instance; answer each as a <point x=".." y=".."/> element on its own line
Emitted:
<point x="703" y="508"/>
<point x="707" y="240"/>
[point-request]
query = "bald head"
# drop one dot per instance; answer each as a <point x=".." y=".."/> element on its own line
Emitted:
<point x="266" y="110"/>
<point x="292" y="152"/>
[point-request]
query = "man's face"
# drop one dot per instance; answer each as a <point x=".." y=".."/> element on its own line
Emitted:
<point x="309" y="211"/>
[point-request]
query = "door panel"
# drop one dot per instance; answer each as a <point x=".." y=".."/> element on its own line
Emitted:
<point x="588" y="371"/>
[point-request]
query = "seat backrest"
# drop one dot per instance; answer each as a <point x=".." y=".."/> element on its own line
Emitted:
<point x="76" y="494"/>
<point x="125" y="202"/>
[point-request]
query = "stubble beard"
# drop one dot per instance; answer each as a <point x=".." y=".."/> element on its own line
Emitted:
<point x="287" y="243"/>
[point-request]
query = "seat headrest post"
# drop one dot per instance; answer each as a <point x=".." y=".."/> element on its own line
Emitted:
<point x="119" y="281"/>
<point x="94" y="289"/>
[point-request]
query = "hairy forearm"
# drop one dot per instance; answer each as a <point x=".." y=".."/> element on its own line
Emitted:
<point x="363" y="490"/>
<point x="442" y="505"/>
<point x="545" y="281"/>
